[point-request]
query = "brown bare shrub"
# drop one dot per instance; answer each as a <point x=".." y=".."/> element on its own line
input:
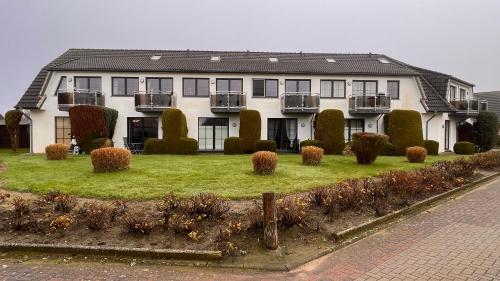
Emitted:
<point x="264" y="162"/>
<point x="205" y="205"/>
<point x="97" y="215"/>
<point x="62" y="222"/>
<point x="255" y="216"/>
<point x="291" y="210"/>
<point x="56" y="151"/>
<point x="416" y="154"/>
<point x="138" y="222"/>
<point x="312" y="155"/>
<point x="181" y="223"/>
<point x="110" y="159"/>
<point x="64" y="203"/>
<point x="4" y="196"/>
<point x="21" y="206"/>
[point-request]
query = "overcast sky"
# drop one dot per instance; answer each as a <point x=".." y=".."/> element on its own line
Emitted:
<point x="458" y="37"/>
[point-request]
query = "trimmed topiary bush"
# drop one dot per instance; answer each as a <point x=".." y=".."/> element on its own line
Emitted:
<point x="266" y="145"/>
<point x="464" y="148"/>
<point x="316" y="143"/>
<point x="388" y="150"/>
<point x="405" y="129"/>
<point x="233" y="145"/>
<point x="330" y="130"/>
<point x="12" y="121"/>
<point x="56" y="151"/>
<point x="486" y="130"/>
<point x="312" y="155"/>
<point x="182" y="146"/>
<point x="367" y="146"/>
<point x="110" y="159"/>
<point x="155" y="146"/>
<point x="432" y="147"/>
<point x="100" y="143"/>
<point x="174" y="124"/>
<point x="465" y="132"/>
<point x="250" y="128"/>
<point x="264" y="162"/>
<point x="416" y="154"/>
<point x="111" y="117"/>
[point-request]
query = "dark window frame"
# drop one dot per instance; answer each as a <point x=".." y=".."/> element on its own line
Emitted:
<point x="454" y="97"/>
<point x="55" y="128"/>
<point x="229" y="85"/>
<point x="195" y="87"/>
<point x="159" y="78"/>
<point x="364" y="85"/>
<point x="331" y="93"/>
<point x="142" y="118"/>
<point x="213" y="136"/>
<point x="126" y="82"/>
<point x="59" y="84"/>
<point x="460" y="93"/>
<point x="348" y="121"/>
<point x="88" y="81"/>
<point x="298" y="80"/>
<point x="399" y="89"/>
<point x="265" y="96"/>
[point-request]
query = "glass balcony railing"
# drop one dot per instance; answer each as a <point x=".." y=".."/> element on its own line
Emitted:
<point x="227" y="101"/>
<point x="154" y="101"/>
<point x="467" y="106"/>
<point x="299" y="102"/>
<point x="369" y="103"/>
<point x="67" y="99"/>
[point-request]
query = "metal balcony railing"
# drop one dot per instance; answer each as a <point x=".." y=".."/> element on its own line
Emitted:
<point x="466" y="106"/>
<point x="154" y="101"/>
<point x="227" y="101"/>
<point x="370" y="103"/>
<point x="67" y="99"/>
<point x="299" y="102"/>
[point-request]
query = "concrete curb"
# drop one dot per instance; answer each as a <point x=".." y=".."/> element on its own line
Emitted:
<point x="112" y="251"/>
<point x="425" y="204"/>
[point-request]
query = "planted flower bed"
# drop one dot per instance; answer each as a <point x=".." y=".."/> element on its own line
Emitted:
<point x="206" y="222"/>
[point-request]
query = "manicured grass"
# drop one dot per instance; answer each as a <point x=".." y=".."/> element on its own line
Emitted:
<point x="151" y="176"/>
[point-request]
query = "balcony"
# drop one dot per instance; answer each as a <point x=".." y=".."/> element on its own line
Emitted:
<point x="369" y="104"/>
<point x="468" y="107"/>
<point x="299" y="102"/>
<point x="154" y="101"/>
<point x="227" y="102"/>
<point x="67" y="99"/>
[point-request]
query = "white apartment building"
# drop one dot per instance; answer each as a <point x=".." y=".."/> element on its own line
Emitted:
<point x="211" y="87"/>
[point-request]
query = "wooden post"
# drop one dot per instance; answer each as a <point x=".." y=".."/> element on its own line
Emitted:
<point x="270" y="220"/>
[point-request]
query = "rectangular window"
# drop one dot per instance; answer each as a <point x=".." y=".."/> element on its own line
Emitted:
<point x="90" y="84"/>
<point x="463" y="95"/>
<point x="353" y="126"/>
<point x="62" y="86"/>
<point x="332" y="88"/>
<point x="63" y="130"/>
<point x="230" y="85"/>
<point x="297" y="86"/>
<point x="453" y="93"/>
<point x="393" y="89"/>
<point x="125" y="86"/>
<point x="364" y="87"/>
<point x="195" y="87"/>
<point x="157" y="85"/>
<point x="212" y="132"/>
<point x="265" y="88"/>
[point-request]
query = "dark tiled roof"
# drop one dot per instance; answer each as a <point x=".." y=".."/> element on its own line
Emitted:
<point x="433" y="101"/>
<point x="493" y="99"/>
<point x="230" y="62"/>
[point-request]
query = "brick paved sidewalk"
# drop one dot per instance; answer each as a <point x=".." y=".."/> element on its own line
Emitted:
<point x="459" y="240"/>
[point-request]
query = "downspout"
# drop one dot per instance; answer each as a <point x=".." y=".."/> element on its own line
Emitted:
<point x="31" y="128"/>
<point x="427" y="125"/>
<point x="376" y="121"/>
<point x="312" y="127"/>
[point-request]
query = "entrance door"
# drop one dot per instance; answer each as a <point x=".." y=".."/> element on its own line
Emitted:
<point x="447" y="135"/>
<point x="284" y="132"/>
<point x="211" y="133"/>
<point x="139" y="129"/>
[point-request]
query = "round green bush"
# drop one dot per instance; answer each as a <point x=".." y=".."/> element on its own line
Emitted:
<point x="250" y="127"/>
<point x="316" y="143"/>
<point x="155" y="146"/>
<point x="432" y="147"/>
<point x="233" y="145"/>
<point x="266" y="145"/>
<point x="464" y="148"/>
<point x="100" y="143"/>
<point x="405" y="130"/>
<point x="330" y="130"/>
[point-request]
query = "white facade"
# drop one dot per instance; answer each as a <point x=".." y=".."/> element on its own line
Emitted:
<point x="44" y="128"/>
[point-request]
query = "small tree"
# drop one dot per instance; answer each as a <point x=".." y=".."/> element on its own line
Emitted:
<point x="485" y="130"/>
<point x="12" y="121"/>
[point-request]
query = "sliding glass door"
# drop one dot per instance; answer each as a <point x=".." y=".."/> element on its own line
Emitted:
<point x="211" y="133"/>
<point x="284" y="132"/>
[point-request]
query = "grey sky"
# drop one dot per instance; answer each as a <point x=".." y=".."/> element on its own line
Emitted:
<point x="456" y="36"/>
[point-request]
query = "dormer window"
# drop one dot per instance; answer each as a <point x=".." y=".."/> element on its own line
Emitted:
<point x="155" y="57"/>
<point x="330" y="60"/>
<point x="215" y="59"/>
<point x="273" y="60"/>
<point x="383" y="60"/>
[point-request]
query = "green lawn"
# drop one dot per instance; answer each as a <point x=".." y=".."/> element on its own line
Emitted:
<point x="151" y="176"/>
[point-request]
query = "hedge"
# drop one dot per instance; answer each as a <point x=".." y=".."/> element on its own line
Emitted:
<point x="432" y="147"/>
<point x="56" y="151"/>
<point x="155" y="146"/>
<point x="388" y="150"/>
<point x="250" y="127"/>
<point x="330" y="130"/>
<point x="486" y="130"/>
<point x="464" y="147"/>
<point x="316" y="143"/>
<point x="100" y="143"/>
<point x="266" y="145"/>
<point x="233" y="145"/>
<point x="405" y="129"/>
<point x="12" y="121"/>
<point x="367" y="146"/>
<point x="89" y="122"/>
<point x="174" y="124"/>
<point x="110" y="159"/>
<point x="181" y="146"/>
<point x="465" y="132"/>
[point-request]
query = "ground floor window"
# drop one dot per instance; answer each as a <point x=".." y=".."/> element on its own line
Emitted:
<point x="353" y="126"/>
<point x="63" y="130"/>
<point x="139" y="129"/>
<point x="212" y="132"/>
<point x="284" y="132"/>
